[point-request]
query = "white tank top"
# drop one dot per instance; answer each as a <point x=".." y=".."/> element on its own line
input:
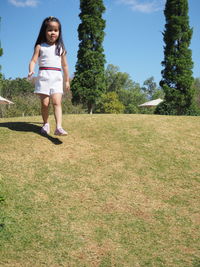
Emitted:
<point x="48" y="57"/>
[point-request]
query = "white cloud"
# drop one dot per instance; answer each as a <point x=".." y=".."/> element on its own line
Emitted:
<point x="26" y="3"/>
<point x="145" y="6"/>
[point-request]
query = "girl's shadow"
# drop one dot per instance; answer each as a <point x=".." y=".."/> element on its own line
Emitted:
<point x="29" y="127"/>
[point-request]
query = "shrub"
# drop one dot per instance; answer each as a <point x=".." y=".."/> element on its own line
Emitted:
<point x="109" y="103"/>
<point x="24" y="105"/>
<point x="29" y="105"/>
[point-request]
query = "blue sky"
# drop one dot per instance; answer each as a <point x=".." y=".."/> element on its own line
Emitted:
<point x="133" y="40"/>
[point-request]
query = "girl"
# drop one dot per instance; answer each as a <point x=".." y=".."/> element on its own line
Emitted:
<point x="51" y="55"/>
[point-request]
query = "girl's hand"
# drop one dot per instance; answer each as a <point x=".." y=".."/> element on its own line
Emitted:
<point x="30" y="74"/>
<point x="67" y="86"/>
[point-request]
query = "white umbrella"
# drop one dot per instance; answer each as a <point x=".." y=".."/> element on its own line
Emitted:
<point x="151" y="103"/>
<point x="5" y="101"/>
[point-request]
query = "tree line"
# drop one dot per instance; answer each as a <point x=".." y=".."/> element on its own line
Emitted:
<point x="100" y="90"/>
<point x="121" y="95"/>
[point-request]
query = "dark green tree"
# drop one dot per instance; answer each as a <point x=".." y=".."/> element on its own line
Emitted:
<point x="16" y="87"/>
<point x="177" y="77"/>
<point x="89" y="82"/>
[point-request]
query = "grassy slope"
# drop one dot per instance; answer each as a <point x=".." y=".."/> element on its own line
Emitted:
<point x="120" y="190"/>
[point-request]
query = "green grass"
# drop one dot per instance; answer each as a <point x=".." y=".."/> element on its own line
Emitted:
<point x="119" y="190"/>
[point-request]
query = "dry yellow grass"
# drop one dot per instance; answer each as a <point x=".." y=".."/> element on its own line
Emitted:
<point x="119" y="190"/>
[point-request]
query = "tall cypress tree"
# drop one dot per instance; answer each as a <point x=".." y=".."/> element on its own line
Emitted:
<point x="177" y="73"/>
<point x="88" y="82"/>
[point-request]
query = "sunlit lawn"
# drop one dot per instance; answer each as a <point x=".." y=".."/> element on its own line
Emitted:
<point x="119" y="190"/>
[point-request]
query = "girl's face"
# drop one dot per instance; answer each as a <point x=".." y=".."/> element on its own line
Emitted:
<point x="52" y="32"/>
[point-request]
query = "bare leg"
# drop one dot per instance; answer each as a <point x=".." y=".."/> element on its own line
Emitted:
<point x="45" y="100"/>
<point x="57" y="100"/>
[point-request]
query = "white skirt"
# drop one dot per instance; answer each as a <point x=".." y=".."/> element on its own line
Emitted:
<point x="49" y="82"/>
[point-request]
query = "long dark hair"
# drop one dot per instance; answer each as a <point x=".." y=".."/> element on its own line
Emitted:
<point x="42" y="35"/>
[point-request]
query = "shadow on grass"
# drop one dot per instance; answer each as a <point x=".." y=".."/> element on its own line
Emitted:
<point x="29" y="127"/>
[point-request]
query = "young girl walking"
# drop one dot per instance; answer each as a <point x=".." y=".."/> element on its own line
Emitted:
<point x="51" y="56"/>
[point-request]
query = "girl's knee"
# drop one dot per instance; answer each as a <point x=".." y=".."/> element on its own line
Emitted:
<point x="45" y="104"/>
<point x="56" y="99"/>
<point x="56" y="103"/>
<point x="45" y="101"/>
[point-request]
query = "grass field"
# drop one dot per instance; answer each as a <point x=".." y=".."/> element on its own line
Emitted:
<point x="119" y="190"/>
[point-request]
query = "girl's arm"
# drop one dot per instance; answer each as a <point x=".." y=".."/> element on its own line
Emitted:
<point x="65" y="71"/>
<point x="34" y="60"/>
